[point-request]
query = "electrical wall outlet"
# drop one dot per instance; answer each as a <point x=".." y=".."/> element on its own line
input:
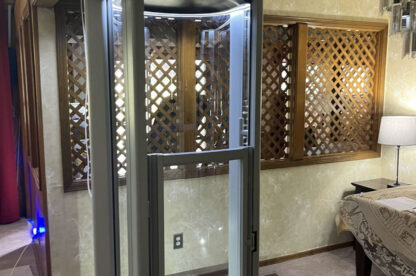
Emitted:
<point x="178" y="241"/>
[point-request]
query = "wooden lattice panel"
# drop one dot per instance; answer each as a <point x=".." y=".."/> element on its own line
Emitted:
<point x="212" y="85"/>
<point x="75" y="79"/>
<point x="340" y="96"/>
<point x="165" y="126"/>
<point x="120" y="93"/>
<point x="76" y="87"/>
<point x="161" y="85"/>
<point x="277" y="91"/>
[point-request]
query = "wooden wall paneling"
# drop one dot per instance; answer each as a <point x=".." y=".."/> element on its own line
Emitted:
<point x="23" y="115"/>
<point x="22" y="92"/>
<point x="22" y="12"/>
<point x="32" y="132"/>
<point x="31" y="93"/>
<point x="186" y="105"/>
<point x="38" y="103"/>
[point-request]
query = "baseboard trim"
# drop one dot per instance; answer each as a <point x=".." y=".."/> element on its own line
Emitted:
<point x="220" y="271"/>
<point x="305" y="253"/>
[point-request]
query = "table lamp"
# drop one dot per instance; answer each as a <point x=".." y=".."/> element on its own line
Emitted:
<point x="397" y="131"/>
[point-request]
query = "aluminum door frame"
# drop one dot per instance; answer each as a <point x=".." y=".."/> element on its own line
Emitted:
<point x="101" y="127"/>
<point x="105" y="200"/>
<point x="240" y="183"/>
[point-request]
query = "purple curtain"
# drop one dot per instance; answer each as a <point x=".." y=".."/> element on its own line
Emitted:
<point x="9" y="201"/>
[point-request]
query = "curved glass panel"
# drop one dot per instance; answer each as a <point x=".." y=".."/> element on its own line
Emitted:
<point x="191" y="6"/>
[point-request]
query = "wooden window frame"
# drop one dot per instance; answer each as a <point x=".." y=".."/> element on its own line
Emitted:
<point x="61" y="53"/>
<point x="296" y="154"/>
<point x="30" y="92"/>
<point x="186" y="99"/>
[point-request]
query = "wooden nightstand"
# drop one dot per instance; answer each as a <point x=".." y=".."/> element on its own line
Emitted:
<point x="373" y="185"/>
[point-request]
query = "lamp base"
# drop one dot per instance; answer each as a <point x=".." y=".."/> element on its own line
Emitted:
<point x="393" y="185"/>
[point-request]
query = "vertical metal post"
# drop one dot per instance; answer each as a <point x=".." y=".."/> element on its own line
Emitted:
<point x="397" y="166"/>
<point x="238" y="203"/>
<point x="237" y="251"/>
<point x="157" y="244"/>
<point x="112" y="93"/>
<point x="104" y="201"/>
<point x="236" y="76"/>
<point x="137" y="188"/>
<point x="254" y="125"/>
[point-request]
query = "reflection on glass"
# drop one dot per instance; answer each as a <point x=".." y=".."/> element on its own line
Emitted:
<point x="197" y="209"/>
<point x="397" y="17"/>
<point x="120" y="143"/>
<point x="413" y="29"/>
<point x="188" y="69"/>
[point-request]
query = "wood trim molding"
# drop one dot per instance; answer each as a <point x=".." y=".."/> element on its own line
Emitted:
<point x="296" y="150"/>
<point x="26" y="21"/>
<point x="335" y="23"/>
<point x="186" y="93"/>
<point x="301" y="48"/>
<point x="305" y="253"/>
<point x="323" y="159"/>
<point x="380" y="81"/>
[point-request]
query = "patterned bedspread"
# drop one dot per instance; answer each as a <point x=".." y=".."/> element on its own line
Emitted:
<point x="387" y="236"/>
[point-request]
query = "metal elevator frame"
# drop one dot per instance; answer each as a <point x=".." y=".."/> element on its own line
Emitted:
<point x="101" y="112"/>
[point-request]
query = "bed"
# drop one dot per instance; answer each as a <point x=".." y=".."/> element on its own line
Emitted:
<point x="387" y="236"/>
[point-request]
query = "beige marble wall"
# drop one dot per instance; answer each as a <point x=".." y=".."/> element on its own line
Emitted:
<point x="298" y="204"/>
<point x="400" y="100"/>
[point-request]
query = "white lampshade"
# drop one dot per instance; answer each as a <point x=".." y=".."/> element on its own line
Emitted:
<point x="397" y="131"/>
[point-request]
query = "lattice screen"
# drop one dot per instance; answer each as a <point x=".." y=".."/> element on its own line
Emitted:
<point x="164" y="125"/>
<point x="161" y="85"/>
<point x="75" y="79"/>
<point x="340" y="103"/>
<point x="120" y="94"/>
<point x="76" y="88"/>
<point x="212" y="85"/>
<point x="277" y="91"/>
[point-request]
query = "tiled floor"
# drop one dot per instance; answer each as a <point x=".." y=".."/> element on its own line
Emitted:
<point x="19" y="271"/>
<point x="340" y="262"/>
<point x="14" y="238"/>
